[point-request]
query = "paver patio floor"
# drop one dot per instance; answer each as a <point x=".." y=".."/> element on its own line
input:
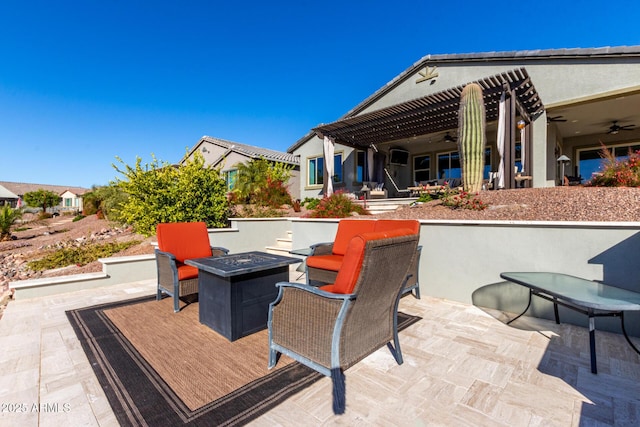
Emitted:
<point x="462" y="366"/>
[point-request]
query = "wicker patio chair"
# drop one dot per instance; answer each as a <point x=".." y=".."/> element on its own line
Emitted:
<point x="333" y="327"/>
<point x="323" y="263"/>
<point x="177" y="242"/>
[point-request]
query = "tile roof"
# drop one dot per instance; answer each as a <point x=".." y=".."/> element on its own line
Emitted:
<point x="6" y="194"/>
<point x="252" y="151"/>
<point x="20" y="188"/>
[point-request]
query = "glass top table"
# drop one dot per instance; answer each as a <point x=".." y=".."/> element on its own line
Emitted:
<point x="592" y="298"/>
<point x="582" y="292"/>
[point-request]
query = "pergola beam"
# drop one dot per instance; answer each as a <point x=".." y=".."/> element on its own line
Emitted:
<point x="432" y="113"/>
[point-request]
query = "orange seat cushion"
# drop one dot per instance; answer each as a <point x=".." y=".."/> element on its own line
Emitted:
<point x="352" y="262"/>
<point x="350" y="268"/>
<point x="186" y="272"/>
<point x="185" y="240"/>
<point x="325" y="262"/>
<point x="347" y="229"/>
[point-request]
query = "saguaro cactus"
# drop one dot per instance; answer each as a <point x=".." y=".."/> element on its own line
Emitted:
<point x="471" y="137"/>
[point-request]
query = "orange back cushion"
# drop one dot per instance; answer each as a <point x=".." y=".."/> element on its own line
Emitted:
<point x="352" y="263"/>
<point x="347" y="229"/>
<point x="392" y="224"/>
<point x="185" y="240"/>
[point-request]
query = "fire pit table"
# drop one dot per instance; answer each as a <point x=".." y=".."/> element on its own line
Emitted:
<point x="234" y="291"/>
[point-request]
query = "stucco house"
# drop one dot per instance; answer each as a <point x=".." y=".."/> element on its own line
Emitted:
<point x="227" y="155"/>
<point x="71" y="196"/>
<point x="547" y="111"/>
<point x="8" y="197"/>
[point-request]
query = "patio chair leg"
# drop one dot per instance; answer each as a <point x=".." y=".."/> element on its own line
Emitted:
<point x="339" y="391"/>
<point x="159" y="294"/>
<point x="395" y="351"/>
<point x="274" y="356"/>
<point x="176" y="304"/>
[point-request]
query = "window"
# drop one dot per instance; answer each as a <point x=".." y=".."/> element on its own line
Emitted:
<point x="315" y="170"/>
<point x="337" y="167"/>
<point x="590" y="161"/>
<point x="316" y="167"/>
<point x="421" y="168"/>
<point x="487" y="162"/>
<point x="231" y="178"/>
<point x="449" y="165"/>
<point x="361" y="165"/>
<point x="518" y="157"/>
<point x="67" y="203"/>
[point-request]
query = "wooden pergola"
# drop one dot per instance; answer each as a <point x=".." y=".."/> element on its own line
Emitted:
<point x="438" y="112"/>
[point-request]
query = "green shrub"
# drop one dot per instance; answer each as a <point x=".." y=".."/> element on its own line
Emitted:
<point x="160" y="192"/>
<point x="106" y="199"/>
<point x="424" y="198"/>
<point x="274" y="194"/>
<point x="338" y="205"/>
<point x="310" y="202"/>
<point x="618" y="173"/>
<point x="78" y="218"/>
<point x="79" y="255"/>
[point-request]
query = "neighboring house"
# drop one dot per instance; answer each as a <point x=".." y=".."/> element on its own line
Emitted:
<point x="8" y="198"/>
<point x="71" y="196"/>
<point x="227" y="155"/>
<point x="565" y="102"/>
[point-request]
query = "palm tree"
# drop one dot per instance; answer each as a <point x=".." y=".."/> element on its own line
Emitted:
<point x="252" y="178"/>
<point x="7" y="217"/>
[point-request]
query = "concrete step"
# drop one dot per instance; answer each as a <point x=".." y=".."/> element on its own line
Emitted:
<point x="284" y="242"/>
<point x="378" y="209"/>
<point x="282" y="247"/>
<point x="277" y="250"/>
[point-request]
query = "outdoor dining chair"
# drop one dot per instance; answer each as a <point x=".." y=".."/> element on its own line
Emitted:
<point x="331" y="328"/>
<point x="177" y="242"/>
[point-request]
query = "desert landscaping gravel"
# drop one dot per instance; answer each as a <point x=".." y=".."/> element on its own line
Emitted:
<point x="539" y="204"/>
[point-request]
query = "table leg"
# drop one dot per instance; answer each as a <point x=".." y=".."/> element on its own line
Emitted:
<point x="624" y="331"/>
<point x="525" y="310"/>
<point x="592" y="342"/>
<point x="555" y="311"/>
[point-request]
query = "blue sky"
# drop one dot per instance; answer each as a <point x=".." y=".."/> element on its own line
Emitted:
<point x="82" y="82"/>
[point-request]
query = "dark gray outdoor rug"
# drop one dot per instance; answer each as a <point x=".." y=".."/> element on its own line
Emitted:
<point x="160" y="368"/>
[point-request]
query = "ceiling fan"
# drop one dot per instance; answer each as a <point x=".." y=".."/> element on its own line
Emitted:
<point x="615" y="128"/>
<point x="556" y="119"/>
<point x="449" y="138"/>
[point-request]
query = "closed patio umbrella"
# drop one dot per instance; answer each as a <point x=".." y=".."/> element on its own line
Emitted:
<point x="523" y="134"/>
<point x="500" y="141"/>
<point x="329" y="148"/>
<point x="370" y="164"/>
